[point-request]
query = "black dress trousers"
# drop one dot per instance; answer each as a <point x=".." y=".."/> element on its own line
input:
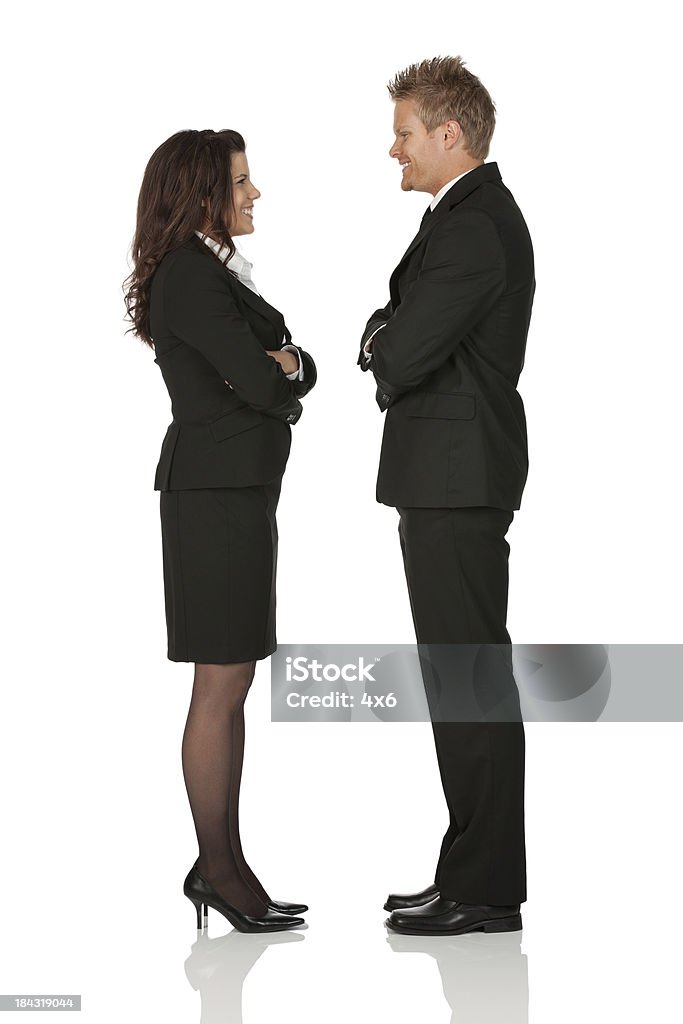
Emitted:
<point x="219" y="549"/>
<point x="456" y="564"/>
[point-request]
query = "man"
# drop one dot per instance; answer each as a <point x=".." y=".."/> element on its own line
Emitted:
<point x="446" y="353"/>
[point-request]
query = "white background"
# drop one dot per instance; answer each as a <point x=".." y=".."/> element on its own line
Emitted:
<point x="98" y="834"/>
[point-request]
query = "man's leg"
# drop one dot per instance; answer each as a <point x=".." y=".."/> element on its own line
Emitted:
<point x="456" y="563"/>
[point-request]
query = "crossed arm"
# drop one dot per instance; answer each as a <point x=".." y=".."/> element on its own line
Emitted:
<point x="202" y="311"/>
<point x="461" y="277"/>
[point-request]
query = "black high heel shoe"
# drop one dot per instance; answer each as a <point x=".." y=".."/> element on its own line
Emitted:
<point x="199" y="892"/>
<point x="283" y="907"/>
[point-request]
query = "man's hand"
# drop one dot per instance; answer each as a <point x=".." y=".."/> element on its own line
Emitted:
<point x="287" y="360"/>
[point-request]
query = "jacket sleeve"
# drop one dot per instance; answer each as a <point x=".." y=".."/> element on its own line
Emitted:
<point x="302" y="387"/>
<point x="310" y="372"/>
<point x="201" y="311"/>
<point x="378" y="319"/>
<point x="462" y="276"/>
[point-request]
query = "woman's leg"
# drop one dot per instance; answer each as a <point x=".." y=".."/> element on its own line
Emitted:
<point x="211" y="768"/>
<point x="270" y="493"/>
<point x="245" y="871"/>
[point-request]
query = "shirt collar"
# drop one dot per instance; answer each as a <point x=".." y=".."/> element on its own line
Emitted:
<point x="237" y="262"/>
<point x="442" y="191"/>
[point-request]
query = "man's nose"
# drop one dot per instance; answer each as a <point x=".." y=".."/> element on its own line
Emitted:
<point x="394" y="149"/>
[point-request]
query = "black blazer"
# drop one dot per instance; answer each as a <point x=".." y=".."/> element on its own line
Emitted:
<point x="449" y="358"/>
<point x="209" y="328"/>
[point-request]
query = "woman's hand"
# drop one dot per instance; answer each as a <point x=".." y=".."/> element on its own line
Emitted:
<point x="287" y="360"/>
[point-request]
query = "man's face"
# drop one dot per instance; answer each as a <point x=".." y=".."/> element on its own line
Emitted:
<point x="420" y="154"/>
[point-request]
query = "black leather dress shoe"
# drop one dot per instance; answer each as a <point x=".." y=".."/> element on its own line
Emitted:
<point x="415" y="899"/>
<point x="282" y="907"/>
<point x="446" y="917"/>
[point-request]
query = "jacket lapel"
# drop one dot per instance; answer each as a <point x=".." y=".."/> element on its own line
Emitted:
<point x="245" y="296"/>
<point x="259" y="305"/>
<point x="463" y="188"/>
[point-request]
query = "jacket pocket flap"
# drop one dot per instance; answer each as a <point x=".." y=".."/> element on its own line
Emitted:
<point x="234" y="422"/>
<point x="431" y="404"/>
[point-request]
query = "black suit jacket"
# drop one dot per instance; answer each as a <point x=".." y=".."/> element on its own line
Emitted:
<point x="209" y="328"/>
<point x="449" y="358"/>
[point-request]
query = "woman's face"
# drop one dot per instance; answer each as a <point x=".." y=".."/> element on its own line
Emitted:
<point x="243" y="196"/>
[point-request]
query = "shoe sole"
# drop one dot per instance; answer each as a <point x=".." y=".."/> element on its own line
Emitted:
<point x="502" y="924"/>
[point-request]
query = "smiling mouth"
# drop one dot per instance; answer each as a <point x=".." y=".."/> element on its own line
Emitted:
<point x="405" y="166"/>
<point x="248" y="211"/>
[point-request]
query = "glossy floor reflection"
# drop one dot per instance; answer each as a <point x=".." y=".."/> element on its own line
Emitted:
<point x="590" y="951"/>
<point x="217" y="969"/>
<point x="484" y="977"/>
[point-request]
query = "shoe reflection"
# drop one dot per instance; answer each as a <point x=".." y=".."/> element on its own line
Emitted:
<point x="217" y="969"/>
<point x="484" y="977"/>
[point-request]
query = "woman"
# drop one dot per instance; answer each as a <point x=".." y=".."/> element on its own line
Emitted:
<point x="235" y="384"/>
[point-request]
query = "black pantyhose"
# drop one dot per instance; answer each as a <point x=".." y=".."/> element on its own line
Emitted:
<point x="212" y="754"/>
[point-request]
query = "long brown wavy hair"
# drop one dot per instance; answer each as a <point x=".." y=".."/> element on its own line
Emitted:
<point x="189" y="168"/>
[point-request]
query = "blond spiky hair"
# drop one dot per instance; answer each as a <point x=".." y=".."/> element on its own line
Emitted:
<point x="444" y="90"/>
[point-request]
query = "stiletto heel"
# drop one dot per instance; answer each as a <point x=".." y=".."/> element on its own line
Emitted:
<point x="198" y="908"/>
<point x="199" y="892"/>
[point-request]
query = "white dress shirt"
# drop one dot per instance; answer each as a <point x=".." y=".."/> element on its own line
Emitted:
<point x="437" y="199"/>
<point x="442" y="191"/>
<point x="242" y="267"/>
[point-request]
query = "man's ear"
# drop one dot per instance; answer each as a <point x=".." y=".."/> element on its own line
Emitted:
<point x="452" y="133"/>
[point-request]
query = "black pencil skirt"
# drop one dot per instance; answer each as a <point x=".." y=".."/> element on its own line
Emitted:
<point x="219" y="548"/>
